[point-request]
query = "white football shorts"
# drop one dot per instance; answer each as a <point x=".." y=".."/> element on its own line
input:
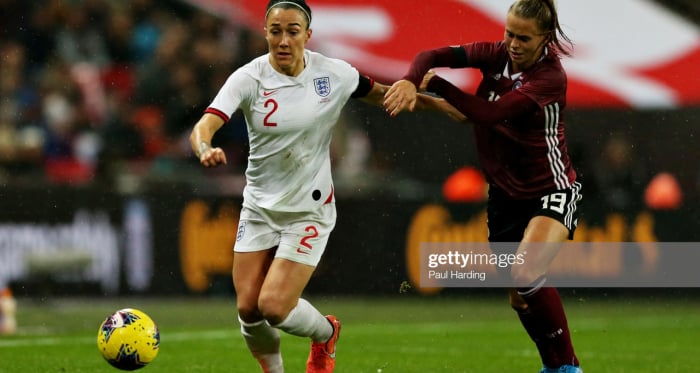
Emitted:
<point x="299" y="236"/>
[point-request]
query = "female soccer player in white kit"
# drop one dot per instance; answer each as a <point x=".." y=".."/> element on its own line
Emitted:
<point x="291" y="99"/>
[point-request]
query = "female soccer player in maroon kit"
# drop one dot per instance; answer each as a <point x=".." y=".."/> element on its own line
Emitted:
<point x="519" y="132"/>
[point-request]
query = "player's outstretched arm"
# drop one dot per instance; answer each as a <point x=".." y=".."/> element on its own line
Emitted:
<point x="423" y="102"/>
<point x="200" y="141"/>
<point x="375" y="96"/>
<point x="427" y="102"/>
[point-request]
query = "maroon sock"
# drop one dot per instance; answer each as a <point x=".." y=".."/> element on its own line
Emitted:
<point x="530" y="322"/>
<point x="545" y="322"/>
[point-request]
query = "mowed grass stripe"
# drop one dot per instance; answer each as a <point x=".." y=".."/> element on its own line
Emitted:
<point x="74" y="340"/>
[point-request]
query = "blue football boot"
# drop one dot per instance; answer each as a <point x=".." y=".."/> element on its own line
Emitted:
<point x="562" y="369"/>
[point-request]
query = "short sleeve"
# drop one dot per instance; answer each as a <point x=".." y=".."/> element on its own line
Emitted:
<point x="238" y="89"/>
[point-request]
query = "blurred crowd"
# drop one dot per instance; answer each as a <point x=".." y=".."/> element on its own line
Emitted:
<point x="90" y="89"/>
<point x="87" y="86"/>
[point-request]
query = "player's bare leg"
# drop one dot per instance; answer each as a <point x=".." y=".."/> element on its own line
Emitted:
<point x="249" y="271"/>
<point x="282" y="288"/>
<point x="540" y="308"/>
<point x="548" y="235"/>
<point x="281" y="304"/>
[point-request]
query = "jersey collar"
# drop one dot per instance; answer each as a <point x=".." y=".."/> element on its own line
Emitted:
<point x="516" y="76"/>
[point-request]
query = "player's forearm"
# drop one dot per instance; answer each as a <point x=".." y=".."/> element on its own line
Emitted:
<point x="203" y="132"/>
<point x="200" y="139"/>
<point x="426" y="60"/>
<point x="427" y="102"/>
<point x="376" y="95"/>
<point x="480" y="110"/>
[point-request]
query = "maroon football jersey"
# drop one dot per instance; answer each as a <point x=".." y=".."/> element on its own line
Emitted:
<point x="524" y="155"/>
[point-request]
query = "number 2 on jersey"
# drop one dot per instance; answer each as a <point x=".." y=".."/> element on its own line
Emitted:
<point x="266" y="121"/>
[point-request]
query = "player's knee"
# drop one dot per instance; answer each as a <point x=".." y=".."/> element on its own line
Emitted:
<point x="248" y="311"/>
<point x="524" y="276"/>
<point x="273" y="308"/>
<point x="248" y="308"/>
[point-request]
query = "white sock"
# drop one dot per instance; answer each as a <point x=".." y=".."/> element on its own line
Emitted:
<point x="306" y="321"/>
<point x="264" y="343"/>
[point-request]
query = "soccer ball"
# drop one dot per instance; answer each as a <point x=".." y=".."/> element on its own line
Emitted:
<point x="128" y="339"/>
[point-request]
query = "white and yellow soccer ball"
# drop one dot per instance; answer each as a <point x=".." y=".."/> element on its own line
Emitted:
<point x="128" y="339"/>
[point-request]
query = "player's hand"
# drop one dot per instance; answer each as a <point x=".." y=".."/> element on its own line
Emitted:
<point x="401" y="96"/>
<point x="212" y="157"/>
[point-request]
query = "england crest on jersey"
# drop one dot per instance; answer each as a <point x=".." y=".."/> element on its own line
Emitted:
<point x="322" y="86"/>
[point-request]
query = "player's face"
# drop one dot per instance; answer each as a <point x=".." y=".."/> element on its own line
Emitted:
<point x="525" y="41"/>
<point x="287" y="32"/>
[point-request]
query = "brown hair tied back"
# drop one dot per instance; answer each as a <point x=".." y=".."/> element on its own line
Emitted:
<point x="545" y="13"/>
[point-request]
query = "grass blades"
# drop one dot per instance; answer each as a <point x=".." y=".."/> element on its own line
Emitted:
<point x="404" y="334"/>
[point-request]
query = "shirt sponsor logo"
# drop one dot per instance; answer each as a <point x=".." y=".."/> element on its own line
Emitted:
<point x="271" y="92"/>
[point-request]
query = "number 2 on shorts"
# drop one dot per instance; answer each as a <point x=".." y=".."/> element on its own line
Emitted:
<point x="313" y="233"/>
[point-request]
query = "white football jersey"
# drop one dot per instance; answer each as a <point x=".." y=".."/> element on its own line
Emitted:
<point x="289" y="123"/>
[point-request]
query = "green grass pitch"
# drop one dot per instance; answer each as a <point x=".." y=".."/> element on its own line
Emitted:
<point x="402" y="334"/>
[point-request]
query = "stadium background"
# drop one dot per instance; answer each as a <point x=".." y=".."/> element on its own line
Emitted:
<point x="100" y="193"/>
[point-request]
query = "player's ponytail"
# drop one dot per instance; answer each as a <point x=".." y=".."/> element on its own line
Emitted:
<point x="545" y="13"/>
